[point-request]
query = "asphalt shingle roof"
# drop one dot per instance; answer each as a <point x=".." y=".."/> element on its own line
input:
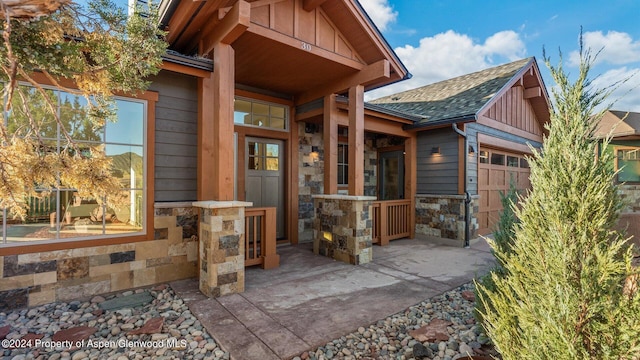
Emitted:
<point x="460" y="97"/>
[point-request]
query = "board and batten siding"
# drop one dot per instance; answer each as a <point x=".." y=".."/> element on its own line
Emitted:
<point x="176" y="149"/>
<point x="437" y="173"/>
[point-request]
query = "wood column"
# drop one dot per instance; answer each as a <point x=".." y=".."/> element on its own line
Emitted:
<point x="410" y="179"/>
<point x="206" y="143"/>
<point x="224" y="80"/>
<point x="215" y="128"/>
<point x="356" y="140"/>
<point x="330" y="138"/>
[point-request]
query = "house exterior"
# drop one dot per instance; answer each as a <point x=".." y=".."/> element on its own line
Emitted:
<point x="624" y="129"/>
<point x="472" y="141"/>
<point x="259" y="106"/>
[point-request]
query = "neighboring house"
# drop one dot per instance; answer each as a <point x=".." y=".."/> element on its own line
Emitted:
<point x="259" y="103"/>
<point x="624" y="129"/>
<point x="473" y="138"/>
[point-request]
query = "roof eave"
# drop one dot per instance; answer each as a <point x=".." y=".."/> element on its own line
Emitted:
<point x="442" y="122"/>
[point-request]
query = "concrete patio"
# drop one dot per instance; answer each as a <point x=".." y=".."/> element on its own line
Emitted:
<point x="310" y="300"/>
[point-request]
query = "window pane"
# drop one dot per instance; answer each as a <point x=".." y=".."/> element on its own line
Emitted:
<point x="127" y="163"/>
<point x="254" y="163"/>
<point x="73" y="116"/>
<point x="484" y="157"/>
<point x="513" y="161"/>
<point x="129" y="129"/>
<point x="242" y="112"/>
<point x="497" y="159"/>
<point x="341" y="175"/>
<point x="272" y="150"/>
<point x="39" y="223"/>
<point x="272" y="164"/>
<point x="127" y="217"/>
<point x="524" y="163"/>
<point x="39" y="111"/>
<point x="629" y="165"/>
<point x="277" y="123"/>
<point x="260" y="120"/>
<point x="261" y="109"/>
<point x="277" y="111"/>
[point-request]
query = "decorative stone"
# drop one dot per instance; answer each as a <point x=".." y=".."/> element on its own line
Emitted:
<point x="435" y="330"/>
<point x="152" y="326"/>
<point x="128" y="301"/>
<point x="468" y="295"/>
<point x="4" y="331"/>
<point x="73" y="268"/>
<point x="124" y="256"/>
<point x="74" y="334"/>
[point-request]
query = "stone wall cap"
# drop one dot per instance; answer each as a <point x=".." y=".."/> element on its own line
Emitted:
<point x="344" y="197"/>
<point x="211" y="204"/>
<point x="440" y="196"/>
<point x="175" y="204"/>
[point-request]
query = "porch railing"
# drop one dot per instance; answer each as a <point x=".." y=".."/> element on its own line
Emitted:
<point x="260" y="238"/>
<point x="391" y="220"/>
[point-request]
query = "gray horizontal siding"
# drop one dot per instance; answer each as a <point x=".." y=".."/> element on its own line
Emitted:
<point x="176" y="151"/>
<point x="437" y="174"/>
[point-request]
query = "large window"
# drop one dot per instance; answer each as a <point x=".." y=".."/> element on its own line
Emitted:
<point x="61" y="213"/>
<point x="343" y="164"/>
<point x="249" y="112"/>
<point x="628" y="164"/>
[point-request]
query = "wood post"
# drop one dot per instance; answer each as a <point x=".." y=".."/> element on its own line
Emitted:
<point x="410" y="179"/>
<point x="215" y="128"/>
<point x="270" y="258"/>
<point x="356" y="140"/>
<point x="330" y="138"/>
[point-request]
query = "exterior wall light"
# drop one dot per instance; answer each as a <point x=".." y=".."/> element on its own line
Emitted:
<point x="435" y="150"/>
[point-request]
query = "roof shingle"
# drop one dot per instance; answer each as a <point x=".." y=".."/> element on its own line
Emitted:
<point x="460" y="97"/>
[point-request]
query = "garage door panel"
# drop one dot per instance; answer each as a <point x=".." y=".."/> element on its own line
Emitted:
<point x="484" y="198"/>
<point x="483" y="176"/>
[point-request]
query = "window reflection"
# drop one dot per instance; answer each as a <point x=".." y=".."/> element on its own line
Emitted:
<point x="61" y="213"/>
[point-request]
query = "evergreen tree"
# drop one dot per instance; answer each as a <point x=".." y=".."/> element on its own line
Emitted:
<point x="563" y="295"/>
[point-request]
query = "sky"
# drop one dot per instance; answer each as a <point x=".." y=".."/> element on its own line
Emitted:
<point x="440" y="39"/>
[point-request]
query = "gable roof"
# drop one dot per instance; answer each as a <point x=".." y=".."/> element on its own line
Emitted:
<point x="625" y="125"/>
<point x="458" y="99"/>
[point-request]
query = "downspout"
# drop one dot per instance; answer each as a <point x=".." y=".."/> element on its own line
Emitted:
<point x="467" y="200"/>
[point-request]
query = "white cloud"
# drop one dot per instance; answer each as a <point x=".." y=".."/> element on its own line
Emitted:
<point x="626" y="97"/>
<point x="450" y="54"/>
<point x="616" y="48"/>
<point x="380" y="12"/>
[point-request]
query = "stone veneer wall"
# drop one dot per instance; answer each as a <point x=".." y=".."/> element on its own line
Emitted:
<point x="630" y="194"/>
<point x="310" y="178"/>
<point x="311" y="174"/>
<point x="40" y="278"/>
<point x="343" y="227"/>
<point x="442" y="216"/>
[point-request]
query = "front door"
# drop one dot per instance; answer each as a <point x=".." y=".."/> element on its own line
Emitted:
<point x="391" y="175"/>
<point x="264" y="184"/>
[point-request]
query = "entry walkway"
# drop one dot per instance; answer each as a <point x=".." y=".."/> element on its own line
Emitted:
<point x="310" y="300"/>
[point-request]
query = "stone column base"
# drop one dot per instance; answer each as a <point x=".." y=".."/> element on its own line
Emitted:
<point x="343" y="228"/>
<point x="222" y="245"/>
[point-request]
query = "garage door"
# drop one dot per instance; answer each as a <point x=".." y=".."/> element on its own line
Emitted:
<point x="496" y="169"/>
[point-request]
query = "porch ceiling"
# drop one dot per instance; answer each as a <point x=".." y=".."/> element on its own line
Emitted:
<point x="269" y="64"/>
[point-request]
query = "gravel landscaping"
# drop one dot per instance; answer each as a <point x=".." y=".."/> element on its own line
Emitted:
<point x="162" y="329"/>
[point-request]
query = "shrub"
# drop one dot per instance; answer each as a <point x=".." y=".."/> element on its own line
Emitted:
<point x="562" y="295"/>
